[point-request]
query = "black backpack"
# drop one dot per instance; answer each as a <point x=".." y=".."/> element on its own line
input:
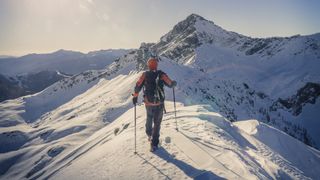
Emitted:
<point x="153" y="86"/>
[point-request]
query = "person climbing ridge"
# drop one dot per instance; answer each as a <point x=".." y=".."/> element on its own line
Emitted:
<point x="153" y="82"/>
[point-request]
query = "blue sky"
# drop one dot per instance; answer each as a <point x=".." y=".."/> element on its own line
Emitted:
<point x="41" y="26"/>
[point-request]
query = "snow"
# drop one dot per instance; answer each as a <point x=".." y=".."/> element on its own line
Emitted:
<point x="92" y="136"/>
<point x="249" y="126"/>
<point x="61" y="129"/>
<point x="202" y="148"/>
<point x="284" y="146"/>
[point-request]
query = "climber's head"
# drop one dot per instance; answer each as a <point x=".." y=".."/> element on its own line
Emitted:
<point x="152" y="64"/>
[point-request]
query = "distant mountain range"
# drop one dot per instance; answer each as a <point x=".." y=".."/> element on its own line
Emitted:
<point x="34" y="72"/>
<point x="5" y="56"/>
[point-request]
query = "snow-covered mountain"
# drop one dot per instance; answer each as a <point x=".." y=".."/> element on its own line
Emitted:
<point x="34" y="72"/>
<point x="82" y="127"/>
<point x="202" y="44"/>
<point x="275" y="80"/>
<point x="275" y="69"/>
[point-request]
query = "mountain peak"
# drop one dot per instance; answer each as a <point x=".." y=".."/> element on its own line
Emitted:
<point x="186" y="36"/>
<point x="186" y="26"/>
<point x="189" y="21"/>
<point x="62" y="51"/>
<point x="194" y="17"/>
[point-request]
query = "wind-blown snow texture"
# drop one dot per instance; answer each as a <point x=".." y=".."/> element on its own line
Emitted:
<point x="82" y="127"/>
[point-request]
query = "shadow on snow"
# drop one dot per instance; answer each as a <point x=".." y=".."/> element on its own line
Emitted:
<point x="189" y="170"/>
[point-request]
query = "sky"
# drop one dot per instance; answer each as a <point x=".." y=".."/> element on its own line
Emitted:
<point x="42" y="26"/>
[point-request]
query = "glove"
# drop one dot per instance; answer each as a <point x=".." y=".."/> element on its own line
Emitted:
<point x="134" y="100"/>
<point x="174" y="84"/>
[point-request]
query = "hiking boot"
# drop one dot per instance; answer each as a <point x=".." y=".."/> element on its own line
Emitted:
<point x="153" y="148"/>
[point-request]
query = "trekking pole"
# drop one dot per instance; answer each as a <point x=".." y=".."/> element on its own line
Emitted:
<point x="175" y="110"/>
<point x="135" y="129"/>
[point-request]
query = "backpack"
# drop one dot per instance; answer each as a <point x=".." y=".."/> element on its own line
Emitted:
<point x="153" y="86"/>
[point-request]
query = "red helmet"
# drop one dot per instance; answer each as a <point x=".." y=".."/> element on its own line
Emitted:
<point x="152" y="64"/>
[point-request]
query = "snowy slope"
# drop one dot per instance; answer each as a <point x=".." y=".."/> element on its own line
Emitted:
<point x="207" y="146"/>
<point x="30" y="142"/>
<point x="91" y="136"/>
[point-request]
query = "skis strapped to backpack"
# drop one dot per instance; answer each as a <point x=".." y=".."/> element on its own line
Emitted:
<point x="159" y="92"/>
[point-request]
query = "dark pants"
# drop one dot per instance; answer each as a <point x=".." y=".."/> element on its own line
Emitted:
<point x="154" y="116"/>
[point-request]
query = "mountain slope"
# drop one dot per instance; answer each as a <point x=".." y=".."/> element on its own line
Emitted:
<point x="58" y="125"/>
<point x="96" y="127"/>
<point x="202" y="44"/>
